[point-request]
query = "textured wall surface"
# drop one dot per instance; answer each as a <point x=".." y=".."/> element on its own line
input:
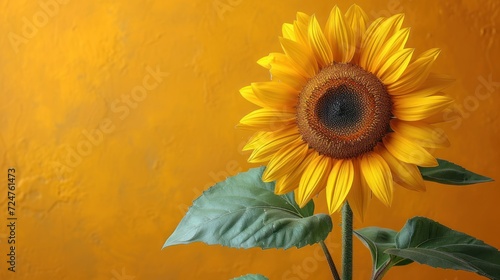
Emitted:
<point x="117" y="114"/>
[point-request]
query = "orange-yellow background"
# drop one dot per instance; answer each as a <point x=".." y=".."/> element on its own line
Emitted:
<point x="103" y="210"/>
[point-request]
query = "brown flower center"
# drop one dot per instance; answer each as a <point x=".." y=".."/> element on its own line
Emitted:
<point x="343" y="111"/>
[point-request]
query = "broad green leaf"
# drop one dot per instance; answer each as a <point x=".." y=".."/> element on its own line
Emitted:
<point x="449" y="173"/>
<point x="244" y="212"/>
<point x="378" y="240"/>
<point x="428" y="242"/>
<point x="251" y="277"/>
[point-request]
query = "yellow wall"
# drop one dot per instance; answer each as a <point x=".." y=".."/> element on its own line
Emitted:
<point x="155" y="85"/>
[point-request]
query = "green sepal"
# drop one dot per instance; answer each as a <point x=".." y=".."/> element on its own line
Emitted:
<point x="244" y="212"/>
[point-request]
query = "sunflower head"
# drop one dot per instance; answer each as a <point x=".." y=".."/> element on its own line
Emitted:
<point x="348" y="110"/>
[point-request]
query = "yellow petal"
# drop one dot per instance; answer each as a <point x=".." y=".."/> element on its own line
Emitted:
<point x="405" y="174"/>
<point x="276" y="94"/>
<point x="360" y="194"/>
<point x="288" y="31"/>
<point x="339" y="184"/>
<point x="394" y="44"/>
<point x="448" y="115"/>
<point x="378" y="176"/>
<point x="284" y="69"/>
<point x="279" y="58"/>
<point x="271" y="143"/>
<point x="283" y="186"/>
<point x="408" y="151"/>
<point x="303" y="18"/>
<point x="266" y="61"/>
<point x="357" y="20"/>
<point x="435" y="83"/>
<point x="291" y="181"/>
<point x="425" y="134"/>
<point x="318" y="43"/>
<point x="313" y="180"/>
<point x="418" y="108"/>
<point x="285" y="160"/>
<point x="274" y="59"/>
<point x="365" y="41"/>
<point x="286" y="74"/>
<point x="376" y="38"/>
<point x="416" y="73"/>
<point x="339" y="35"/>
<point x="301" y="26"/>
<point x="394" y="67"/>
<point x="267" y="119"/>
<point x="298" y="53"/>
<point x="249" y="95"/>
<point x="393" y="24"/>
<point x="255" y="140"/>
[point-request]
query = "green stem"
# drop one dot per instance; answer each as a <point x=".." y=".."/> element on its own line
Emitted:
<point x="335" y="273"/>
<point x="346" y="242"/>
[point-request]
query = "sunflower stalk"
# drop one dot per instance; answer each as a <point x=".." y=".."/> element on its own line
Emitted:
<point x="346" y="242"/>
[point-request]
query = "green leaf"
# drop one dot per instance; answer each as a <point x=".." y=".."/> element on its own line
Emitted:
<point x="251" y="277"/>
<point x="377" y="240"/>
<point x="428" y="242"/>
<point x="244" y="212"/>
<point x="449" y="173"/>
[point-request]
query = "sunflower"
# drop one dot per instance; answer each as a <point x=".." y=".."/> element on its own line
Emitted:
<point x="347" y="110"/>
